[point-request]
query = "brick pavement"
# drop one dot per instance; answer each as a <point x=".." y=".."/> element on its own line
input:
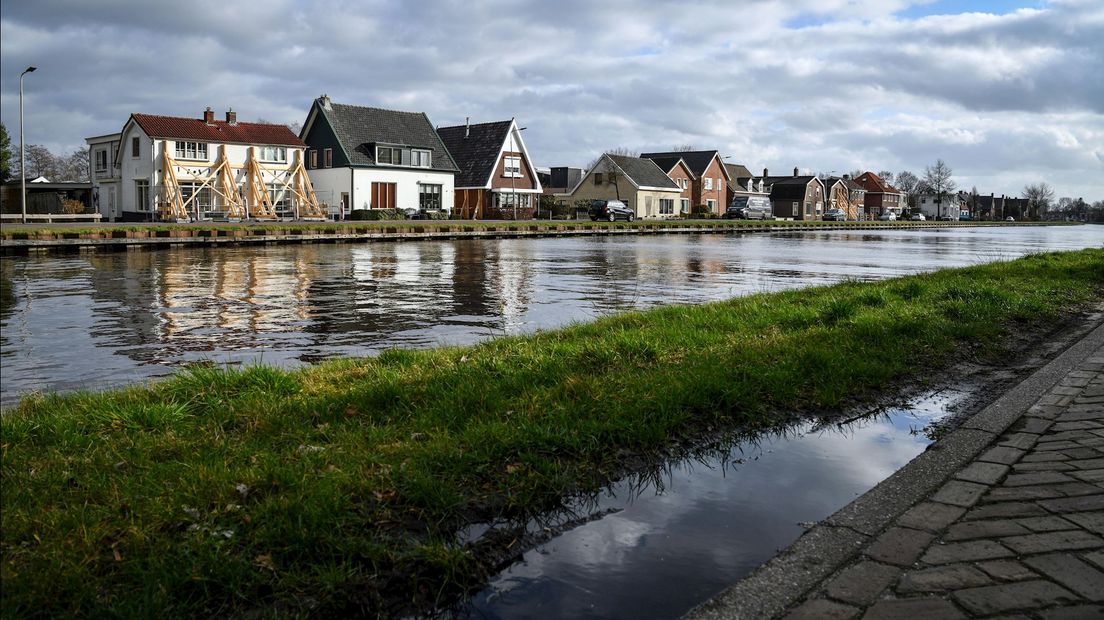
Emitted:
<point x="1016" y="533"/>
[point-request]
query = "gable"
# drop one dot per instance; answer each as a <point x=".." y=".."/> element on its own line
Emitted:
<point x="359" y="129"/>
<point x="319" y="135"/>
<point x="476" y="149"/>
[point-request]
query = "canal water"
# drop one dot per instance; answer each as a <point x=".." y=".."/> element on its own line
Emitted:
<point x="103" y="319"/>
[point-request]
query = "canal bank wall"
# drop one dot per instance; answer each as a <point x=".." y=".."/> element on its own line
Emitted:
<point x="23" y="240"/>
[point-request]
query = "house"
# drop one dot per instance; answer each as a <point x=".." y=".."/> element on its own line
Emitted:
<point x="639" y="183"/>
<point x="844" y="193"/>
<point x="798" y="197"/>
<point x="881" y="197"/>
<point x="676" y="168"/>
<point x="935" y="207"/>
<point x="743" y="185"/>
<point x="497" y="179"/>
<point x="370" y="158"/>
<point x="176" y="168"/>
<point x="44" y="196"/>
<point x="709" y="178"/>
<point x="993" y="207"/>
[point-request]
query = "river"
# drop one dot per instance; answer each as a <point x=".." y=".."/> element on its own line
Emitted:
<point x="100" y="319"/>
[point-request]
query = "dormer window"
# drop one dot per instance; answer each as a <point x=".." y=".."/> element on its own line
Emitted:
<point x="399" y="156"/>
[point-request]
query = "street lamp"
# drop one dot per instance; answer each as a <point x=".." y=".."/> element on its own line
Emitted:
<point x="22" y="152"/>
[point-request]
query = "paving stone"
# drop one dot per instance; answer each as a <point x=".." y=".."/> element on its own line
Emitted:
<point x="1077" y="416"/>
<point x="1076" y="382"/>
<point x="1038" y="477"/>
<point x="1022" y="441"/>
<point x="1076" y="612"/>
<point x="900" y="546"/>
<point x="1002" y="455"/>
<point x="952" y="577"/>
<point x="1057" y="446"/>
<point x="984" y="529"/>
<point x="1020" y="468"/>
<point x="959" y="493"/>
<point x="1092" y="521"/>
<point x="1072" y="573"/>
<point x="1096" y="557"/>
<point x="1087" y="463"/>
<point x="1059" y="400"/>
<point x="1095" y="476"/>
<point x="970" y="551"/>
<point x="1035" y="425"/>
<point x="1013" y="596"/>
<point x="1075" y="426"/>
<point x="1046" y="524"/>
<point x="1006" y="509"/>
<point x="983" y="473"/>
<point x="1052" y="541"/>
<point x="1046" y="491"/>
<point x="1051" y="437"/>
<point x="1066" y="391"/>
<point x="912" y="608"/>
<point x="930" y="516"/>
<point x="1084" y="503"/>
<point x="1048" y="412"/>
<point x="1007" y="570"/>
<point x="820" y="609"/>
<point x="1043" y="457"/>
<point x="1082" y="453"/>
<point x="862" y="583"/>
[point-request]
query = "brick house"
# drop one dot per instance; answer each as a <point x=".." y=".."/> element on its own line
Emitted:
<point x="709" y="180"/>
<point x="880" y="196"/>
<point x="497" y="179"/>
<point x="641" y="184"/>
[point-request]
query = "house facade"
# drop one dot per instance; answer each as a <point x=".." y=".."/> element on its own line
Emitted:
<point x="497" y="179"/>
<point x="881" y="197"/>
<point x="642" y="185"/>
<point x="173" y="168"/>
<point x="678" y="171"/>
<point x="743" y="185"/>
<point x="843" y="193"/>
<point x="709" y="180"/>
<point x="370" y="158"/>
<point x="797" y="197"/>
<point x="935" y="207"/>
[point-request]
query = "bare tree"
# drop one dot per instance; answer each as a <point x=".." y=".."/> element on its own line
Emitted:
<point x="620" y="150"/>
<point x="1039" y="196"/>
<point x="74" y="168"/>
<point x="886" y="176"/>
<point x="41" y="162"/>
<point x="683" y="148"/>
<point x="855" y="173"/>
<point x="910" y="184"/>
<point x="938" y="180"/>
<point x="6" y="156"/>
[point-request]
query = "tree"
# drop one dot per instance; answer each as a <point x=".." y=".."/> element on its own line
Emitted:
<point x="938" y="180"/>
<point x="854" y="174"/>
<point x="5" y="154"/>
<point x="620" y="150"/>
<point x="910" y="184"/>
<point x="41" y="162"/>
<point x="886" y="176"/>
<point x="75" y="167"/>
<point x="1038" y="197"/>
<point x="684" y="148"/>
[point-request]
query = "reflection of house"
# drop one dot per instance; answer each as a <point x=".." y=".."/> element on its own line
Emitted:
<point x="165" y="167"/>
<point x="637" y="182"/>
<point x="496" y="179"/>
<point x="368" y="158"/>
<point x="708" y="180"/>
<point x="46" y="197"/>
<point x="881" y="197"/>
<point x="843" y="193"/>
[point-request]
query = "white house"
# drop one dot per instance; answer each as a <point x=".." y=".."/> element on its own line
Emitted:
<point x="370" y="158"/>
<point x="932" y="208"/>
<point x="173" y="168"/>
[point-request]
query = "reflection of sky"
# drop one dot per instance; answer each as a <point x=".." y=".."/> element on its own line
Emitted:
<point x="126" y="316"/>
<point x="665" y="551"/>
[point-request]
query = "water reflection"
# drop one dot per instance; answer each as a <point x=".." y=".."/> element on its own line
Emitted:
<point x="99" y="319"/>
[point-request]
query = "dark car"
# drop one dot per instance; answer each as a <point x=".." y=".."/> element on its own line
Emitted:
<point x="611" y="210"/>
<point x="835" y="215"/>
<point x="749" y="208"/>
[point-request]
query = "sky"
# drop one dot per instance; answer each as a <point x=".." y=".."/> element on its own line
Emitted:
<point x="1006" y="92"/>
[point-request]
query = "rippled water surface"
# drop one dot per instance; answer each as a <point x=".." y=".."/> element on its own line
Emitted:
<point x="100" y="319"/>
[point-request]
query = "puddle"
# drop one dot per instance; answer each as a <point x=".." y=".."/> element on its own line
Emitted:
<point x="657" y="547"/>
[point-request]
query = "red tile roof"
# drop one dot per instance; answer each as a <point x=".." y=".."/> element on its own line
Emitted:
<point x="874" y="183"/>
<point x="220" y="131"/>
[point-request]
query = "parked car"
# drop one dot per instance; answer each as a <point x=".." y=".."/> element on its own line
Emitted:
<point x="945" y="218"/>
<point x="964" y="217"/>
<point x="918" y="217"/>
<point x="749" y="208"/>
<point x="1010" y="219"/>
<point x="835" y="215"/>
<point x="611" y="210"/>
<point x="888" y="216"/>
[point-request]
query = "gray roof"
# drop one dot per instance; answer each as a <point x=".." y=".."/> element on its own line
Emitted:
<point x="358" y="127"/>
<point x="475" y="150"/>
<point x="789" y="187"/>
<point x="738" y="171"/>
<point x="696" y="161"/>
<point x="643" y="172"/>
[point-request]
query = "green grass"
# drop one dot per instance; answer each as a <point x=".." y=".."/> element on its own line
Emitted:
<point x="338" y="489"/>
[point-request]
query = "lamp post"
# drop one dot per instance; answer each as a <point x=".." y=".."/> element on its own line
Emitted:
<point x="22" y="153"/>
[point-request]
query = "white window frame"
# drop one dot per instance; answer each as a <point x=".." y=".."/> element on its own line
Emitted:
<point x="712" y="204"/>
<point x="708" y="183"/>
<point x="273" y="154"/>
<point x="420" y="158"/>
<point x="190" y="150"/>
<point x="101" y="154"/>
<point x="685" y="205"/>
<point x="511" y="166"/>
<point x="666" y="206"/>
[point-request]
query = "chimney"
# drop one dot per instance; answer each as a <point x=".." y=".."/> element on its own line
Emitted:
<point x="467" y="126"/>
<point x="795" y="171"/>
<point x="324" y="101"/>
<point x="846" y="177"/>
<point x="765" y="175"/>
<point x="209" y="116"/>
<point x="231" y="117"/>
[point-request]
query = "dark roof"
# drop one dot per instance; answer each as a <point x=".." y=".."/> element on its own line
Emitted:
<point x="738" y="171"/>
<point x="788" y="187"/>
<point x="643" y="172"/>
<point x="358" y="127"/>
<point x="218" y="131"/>
<point x="475" y="150"/>
<point x="667" y="164"/>
<point x="696" y="161"/>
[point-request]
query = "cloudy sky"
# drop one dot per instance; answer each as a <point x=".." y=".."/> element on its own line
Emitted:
<point x="1007" y="92"/>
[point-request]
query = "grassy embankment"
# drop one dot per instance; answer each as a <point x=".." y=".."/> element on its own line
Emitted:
<point x="32" y="231"/>
<point x="336" y="489"/>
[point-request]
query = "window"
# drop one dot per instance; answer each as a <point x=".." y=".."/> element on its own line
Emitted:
<point x="314" y="158"/>
<point x="685" y="183"/>
<point x="396" y="156"/>
<point x="429" y="197"/>
<point x="708" y="183"/>
<point x="808" y="208"/>
<point x="383" y="154"/>
<point x="597" y="178"/>
<point x="141" y="195"/>
<point x="712" y="204"/>
<point x="508" y="200"/>
<point x="191" y="150"/>
<point x="277" y="154"/>
<point x="200" y="199"/>
<point x="419" y="158"/>
<point x="666" y="206"/>
<point x="511" y="167"/>
<point x="101" y="160"/>
<point x="135" y="147"/>
<point x="685" y="205"/>
<point x="327" y="157"/>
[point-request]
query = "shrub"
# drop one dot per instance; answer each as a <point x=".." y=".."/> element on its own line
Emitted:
<point x="72" y="207"/>
<point x="700" y="210"/>
<point x="376" y="214"/>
